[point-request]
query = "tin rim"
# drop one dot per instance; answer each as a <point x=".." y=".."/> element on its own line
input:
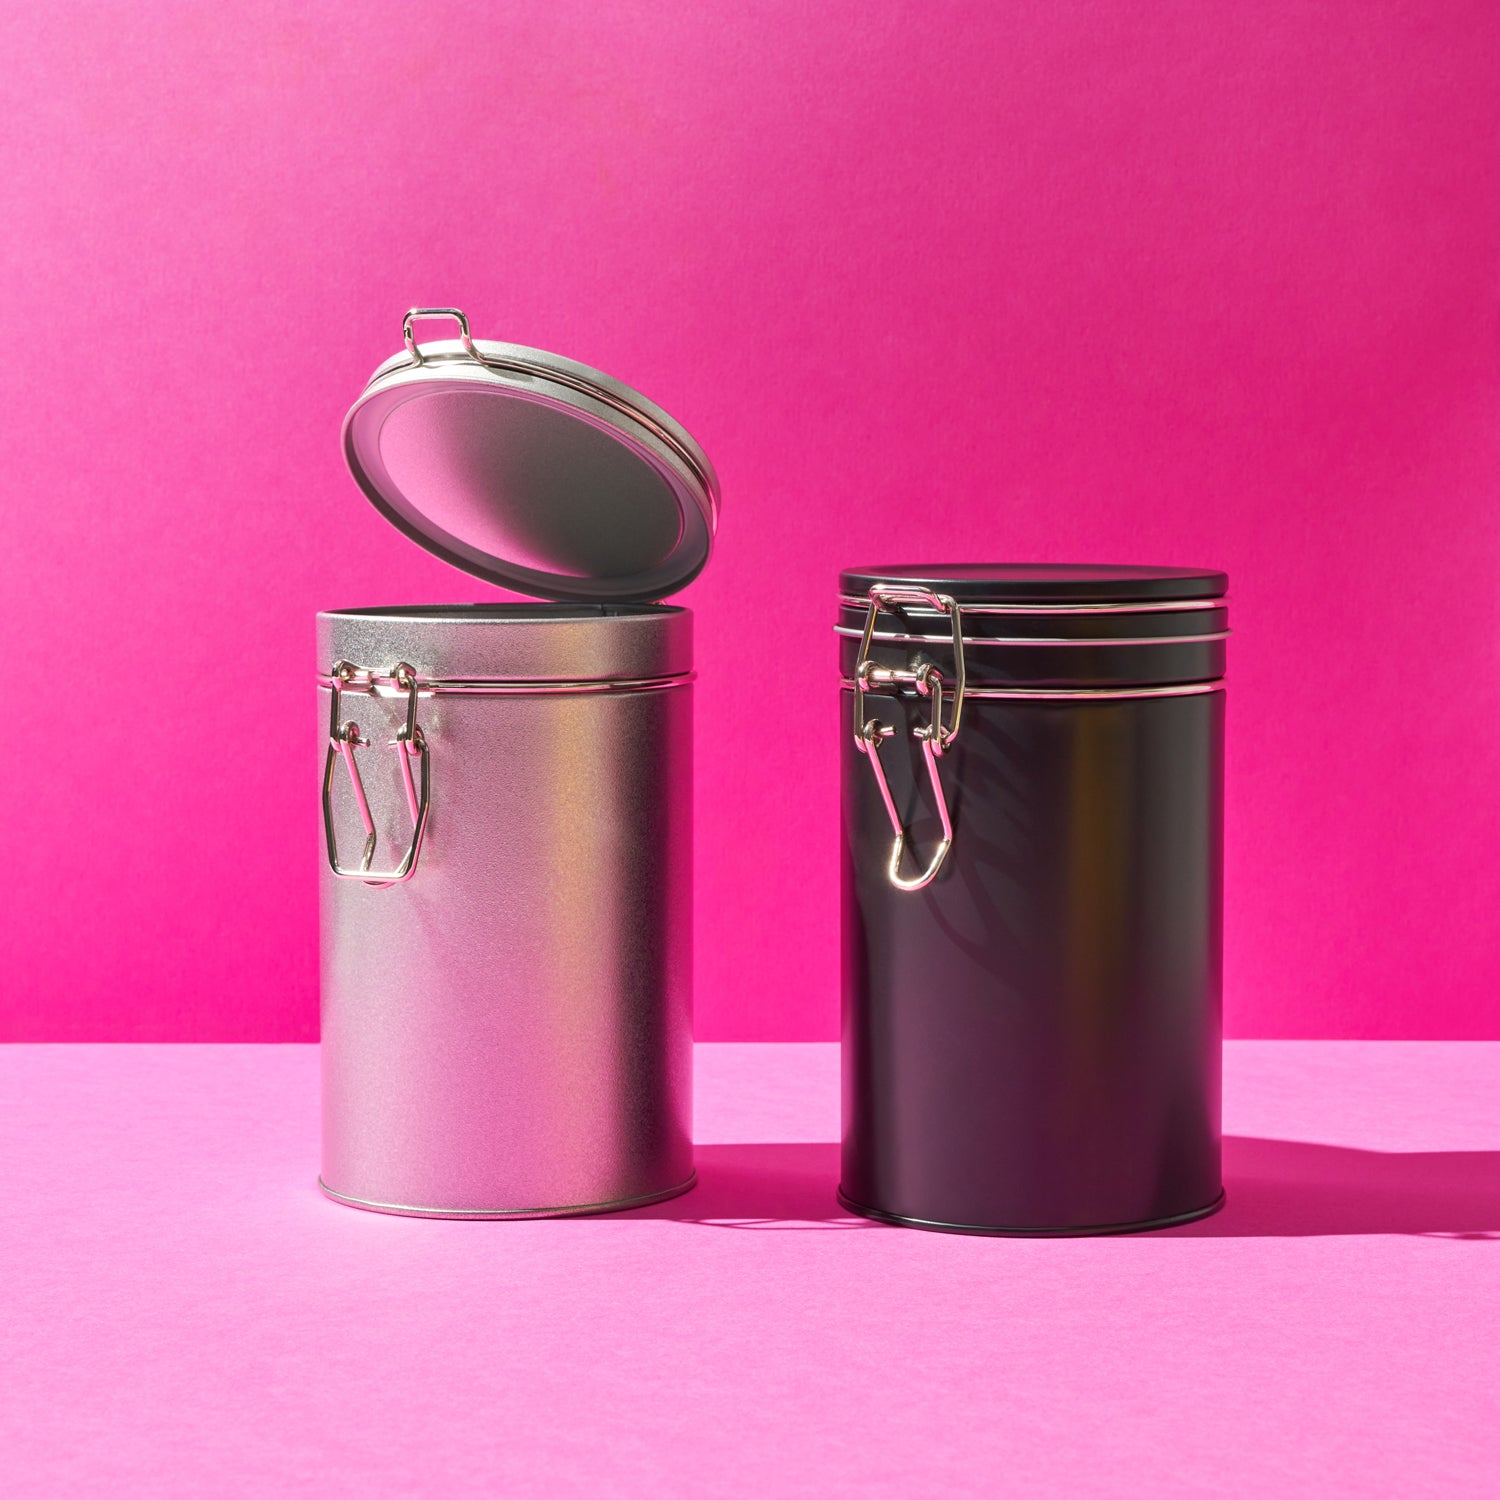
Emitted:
<point x="892" y="637"/>
<point x="1066" y="694"/>
<point x="570" y="1211"/>
<point x="393" y="685"/>
<point x="939" y="1226"/>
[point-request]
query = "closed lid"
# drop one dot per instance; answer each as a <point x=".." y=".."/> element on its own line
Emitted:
<point x="532" y="471"/>
<point x="1045" y="583"/>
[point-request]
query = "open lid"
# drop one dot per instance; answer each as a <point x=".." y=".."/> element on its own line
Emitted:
<point x="532" y="471"/>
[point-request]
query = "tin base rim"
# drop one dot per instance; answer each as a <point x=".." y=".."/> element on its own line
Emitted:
<point x="413" y="1211"/>
<point x="1139" y="1226"/>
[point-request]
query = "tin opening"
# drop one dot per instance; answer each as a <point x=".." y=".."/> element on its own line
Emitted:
<point x="507" y="611"/>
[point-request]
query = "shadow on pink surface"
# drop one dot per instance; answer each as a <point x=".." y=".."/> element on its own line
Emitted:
<point x="1300" y="1188"/>
<point x="765" y="1185"/>
<point x="1275" y="1189"/>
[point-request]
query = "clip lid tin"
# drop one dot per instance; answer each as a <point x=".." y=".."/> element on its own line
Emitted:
<point x="506" y="900"/>
<point x="1032" y="883"/>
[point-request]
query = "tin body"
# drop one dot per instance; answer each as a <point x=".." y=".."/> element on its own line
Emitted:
<point x="506" y="1025"/>
<point x="1031" y="1037"/>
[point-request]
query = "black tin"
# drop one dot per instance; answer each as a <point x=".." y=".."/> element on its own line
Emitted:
<point x="1032" y="918"/>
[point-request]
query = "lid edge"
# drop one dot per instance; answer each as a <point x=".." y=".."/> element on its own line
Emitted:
<point x="1044" y="582"/>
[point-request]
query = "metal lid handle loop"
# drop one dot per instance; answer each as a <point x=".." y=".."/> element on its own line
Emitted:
<point x="935" y="737"/>
<point x="409" y="337"/>
<point x="410" y="743"/>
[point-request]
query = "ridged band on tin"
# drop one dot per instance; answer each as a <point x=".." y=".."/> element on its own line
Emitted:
<point x="895" y="638"/>
<point x="1152" y="607"/>
<point x="386" y="686"/>
<point x="1173" y="690"/>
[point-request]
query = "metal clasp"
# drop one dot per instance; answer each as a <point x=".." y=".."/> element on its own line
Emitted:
<point x="410" y="744"/>
<point x="409" y="337"/>
<point x="935" y="737"/>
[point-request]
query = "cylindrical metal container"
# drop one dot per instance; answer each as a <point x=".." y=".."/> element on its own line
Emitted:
<point x="507" y="799"/>
<point x="509" y="1030"/>
<point x="1032" y="893"/>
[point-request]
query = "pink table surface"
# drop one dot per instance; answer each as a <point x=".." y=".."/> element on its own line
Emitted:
<point x="184" y="1314"/>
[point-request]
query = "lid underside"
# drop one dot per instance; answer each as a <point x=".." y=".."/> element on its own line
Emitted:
<point x="547" y="478"/>
<point x="1057" y="583"/>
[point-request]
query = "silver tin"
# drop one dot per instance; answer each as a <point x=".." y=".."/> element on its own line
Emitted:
<point x="506" y="896"/>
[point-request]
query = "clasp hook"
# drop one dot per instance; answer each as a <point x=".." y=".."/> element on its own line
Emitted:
<point x="410" y="743"/>
<point x="935" y="737"/>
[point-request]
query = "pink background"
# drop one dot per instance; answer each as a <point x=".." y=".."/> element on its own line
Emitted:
<point x="1188" y="283"/>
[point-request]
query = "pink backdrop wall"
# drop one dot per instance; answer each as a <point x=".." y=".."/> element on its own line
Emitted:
<point x="1186" y="283"/>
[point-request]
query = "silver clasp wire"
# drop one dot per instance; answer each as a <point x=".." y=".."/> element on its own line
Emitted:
<point x="410" y="743"/>
<point x="935" y="737"/>
<point x="409" y="337"/>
